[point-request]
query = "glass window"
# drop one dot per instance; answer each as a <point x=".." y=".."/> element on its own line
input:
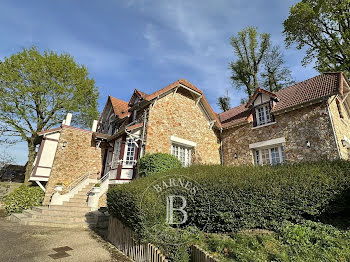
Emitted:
<point x="269" y="156"/>
<point x="182" y="153"/>
<point x="263" y="115"/>
<point x="130" y="153"/>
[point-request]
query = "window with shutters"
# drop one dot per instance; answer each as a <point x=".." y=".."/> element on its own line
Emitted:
<point x="129" y="155"/>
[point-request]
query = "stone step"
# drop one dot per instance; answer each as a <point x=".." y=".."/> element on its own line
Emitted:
<point x="79" y="197"/>
<point x="64" y="213"/>
<point x="48" y="223"/>
<point x="77" y="200"/>
<point x="70" y="208"/>
<point x="75" y="204"/>
<point x="67" y="211"/>
<point x="59" y="217"/>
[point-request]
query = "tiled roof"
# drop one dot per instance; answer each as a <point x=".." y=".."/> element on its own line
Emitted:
<point x="306" y="91"/>
<point x="313" y="89"/>
<point x="171" y="86"/>
<point x="120" y="107"/>
<point x="142" y="94"/>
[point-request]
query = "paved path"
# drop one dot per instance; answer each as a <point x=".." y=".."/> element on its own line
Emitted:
<point x="20" y="243"/>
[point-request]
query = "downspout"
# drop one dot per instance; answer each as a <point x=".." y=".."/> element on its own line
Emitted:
<point x="221" y="154"/>
<point x="333" y="129"/>
<point x="143" y="132"/>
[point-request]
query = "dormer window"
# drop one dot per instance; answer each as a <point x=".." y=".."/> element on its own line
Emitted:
<point x="263" y="115"/>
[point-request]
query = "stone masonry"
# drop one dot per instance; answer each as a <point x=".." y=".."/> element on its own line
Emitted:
<point x="79" y="156"/>
<point x="341" y="126"/>
<point x="311" y="123"/>
<point x="178" y="115"/>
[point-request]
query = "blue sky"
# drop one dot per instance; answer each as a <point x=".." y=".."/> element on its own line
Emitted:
<point x="145" y="44"/>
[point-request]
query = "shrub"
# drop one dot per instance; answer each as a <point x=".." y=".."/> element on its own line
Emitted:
<point x="22" y="198"/>
<point x="308" y="241"/>
<point x="240" y="197"/>
<point x="159" y="162"/>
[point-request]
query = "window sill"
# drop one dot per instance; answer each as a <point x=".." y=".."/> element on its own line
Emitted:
<point x="268" y="124"/>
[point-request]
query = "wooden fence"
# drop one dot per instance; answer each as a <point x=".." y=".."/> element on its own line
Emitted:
<point x="199" y="255"/>
<point x="126" y="241"/>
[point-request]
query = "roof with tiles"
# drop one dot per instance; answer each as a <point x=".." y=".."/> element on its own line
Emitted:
<point x="313" y="89"/>
<point x="120" y="107"/>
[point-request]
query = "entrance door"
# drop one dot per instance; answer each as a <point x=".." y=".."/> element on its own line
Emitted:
<point x="108" y="162"/>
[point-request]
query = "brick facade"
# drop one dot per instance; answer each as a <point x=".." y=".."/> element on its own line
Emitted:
<point x="178" y="115"/>
<point x="79" y="156"/>
<point x="297" y="126"/>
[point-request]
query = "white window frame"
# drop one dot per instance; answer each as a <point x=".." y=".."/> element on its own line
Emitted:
<point x="116" y="153"/>
<point x="129" y="163"/>
<point x="182" y="144"/>
<point x="260" y="152"/>
<point x="183" y="153"/>
<point x="265" y="113"/>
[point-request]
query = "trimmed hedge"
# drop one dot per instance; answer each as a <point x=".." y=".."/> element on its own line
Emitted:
<point x="22" y="198"/>
<point x="240" y="197"/>
<point x="155" y="163"/>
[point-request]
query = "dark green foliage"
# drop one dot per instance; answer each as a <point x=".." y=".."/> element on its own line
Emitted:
<point x="159" y="162"/>
<point x="22" y="198"/>
<point x="240" y="198"/>
<point x="243" y="197"/>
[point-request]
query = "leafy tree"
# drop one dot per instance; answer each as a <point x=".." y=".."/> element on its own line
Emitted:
<point x="324" y="28"/>
<point x="275" y="76"/>
<point x="224" y="103"/>
<point x="250" y="52"/>
<point x="38" y="89"/>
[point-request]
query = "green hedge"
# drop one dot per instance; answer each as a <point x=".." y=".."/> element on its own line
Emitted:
<point x="159" y="162"/>
<point x="240" y="197"/>
<point x="22" y="198"/>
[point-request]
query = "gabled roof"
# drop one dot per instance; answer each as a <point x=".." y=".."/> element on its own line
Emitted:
<point x="120" y="107"/>
<point x="308" y="91"/>
<point x="256" y="93"/>
<point x="139" y="94"/>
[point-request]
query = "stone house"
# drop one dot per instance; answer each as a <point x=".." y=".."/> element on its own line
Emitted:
<point x="176" y="119"/>
<point x="304" y="122"/>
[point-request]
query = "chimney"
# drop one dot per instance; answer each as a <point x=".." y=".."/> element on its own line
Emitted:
<point x="68" y="119"/>
<point x="94" y="126"/>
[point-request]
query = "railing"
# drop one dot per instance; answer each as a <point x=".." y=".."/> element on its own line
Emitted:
<point x="199" y="255"/>
<point x="104" y="178"/>
<point x="78" y="181"/>
<point x="126" y="241"/>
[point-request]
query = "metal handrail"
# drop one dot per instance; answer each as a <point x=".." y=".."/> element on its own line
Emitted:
<point x="104" y="178"/>
<point x="78" y="181"/>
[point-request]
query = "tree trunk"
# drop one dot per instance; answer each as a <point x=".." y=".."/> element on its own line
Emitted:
<point x="31" y="158"/>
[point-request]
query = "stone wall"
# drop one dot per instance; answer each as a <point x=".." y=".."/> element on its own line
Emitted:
<point x="297" y="126"/>
<point x="78" y="157"/>
<point x="178" y="115"/>
<point x="341" y="126"/>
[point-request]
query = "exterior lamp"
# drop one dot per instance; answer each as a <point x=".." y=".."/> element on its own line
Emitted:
<point x="64" y="144"/>
<point x="308" y="144"/>
<point x="235" y="156"/>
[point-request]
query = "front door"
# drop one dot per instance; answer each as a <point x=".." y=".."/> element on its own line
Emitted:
<point x="108" y="161"/>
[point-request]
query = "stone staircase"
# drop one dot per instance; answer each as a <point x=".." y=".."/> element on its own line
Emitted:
<point x="72" y="214"/>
